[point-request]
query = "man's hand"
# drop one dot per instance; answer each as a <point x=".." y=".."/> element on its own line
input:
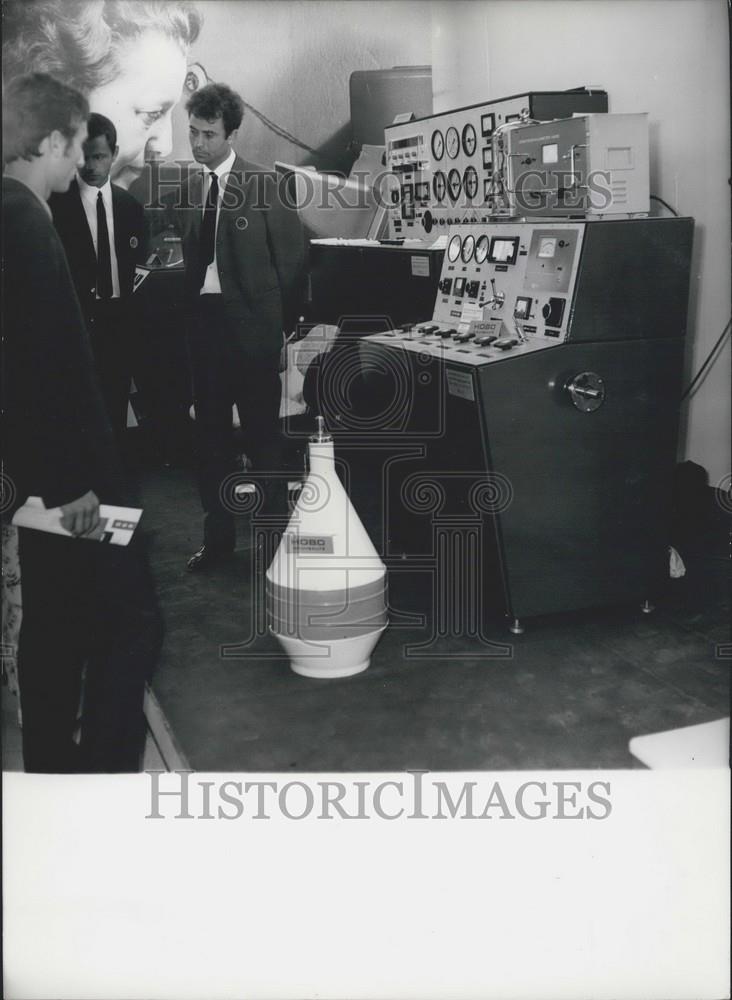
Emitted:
<point x="81" y="516"/>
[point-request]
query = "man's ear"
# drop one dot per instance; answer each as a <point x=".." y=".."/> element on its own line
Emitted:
<point x="57" y="143"/>
<point x="115" y="153"/>
<point x="232" y="136"/>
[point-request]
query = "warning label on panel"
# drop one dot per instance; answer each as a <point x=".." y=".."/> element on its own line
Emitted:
<point x="472" y="312"/>
<point x="460" y="384"/>
<point x="420" y="266"/>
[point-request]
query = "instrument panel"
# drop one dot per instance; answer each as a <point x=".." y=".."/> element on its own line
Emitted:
<point x="505" y="289"/>
<point x="591" y="165"/>
<point x="444" y="164"/>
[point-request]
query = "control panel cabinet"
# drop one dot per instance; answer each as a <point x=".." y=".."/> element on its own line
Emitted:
<point x="545" y="391"/>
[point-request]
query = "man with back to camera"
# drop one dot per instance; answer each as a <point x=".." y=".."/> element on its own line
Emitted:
<point x="245" y="266"/>
<point x="86" y="605"/>
<point x="103" y="266"/>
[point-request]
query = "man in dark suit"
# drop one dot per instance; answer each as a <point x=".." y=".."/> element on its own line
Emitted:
<point x="103" y="232"/>
<point x="86" y="605"/>
<point x="245" y="265"/>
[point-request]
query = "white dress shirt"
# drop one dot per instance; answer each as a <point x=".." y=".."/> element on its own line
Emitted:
<point x="89" y="201"/>
<point x="211" y="284"/>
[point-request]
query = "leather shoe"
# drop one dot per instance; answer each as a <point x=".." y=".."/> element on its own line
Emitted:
<point x="205" y="558"/>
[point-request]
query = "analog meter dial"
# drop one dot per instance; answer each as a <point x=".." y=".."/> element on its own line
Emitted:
<point x="547" y="246"/>
<point x="453" y="184"/>
<point x="470" y="182"/>
<point x="439" y="185"/>
<point x="438" y="144"/>
<point x="469" y="140"/>
<point x="453" y="249"/>
<point x="452" y="142"/>
<point x="481" y="249"/>
<point x="468" y="246"/>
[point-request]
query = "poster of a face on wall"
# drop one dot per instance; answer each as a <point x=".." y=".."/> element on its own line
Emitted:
<point x="129" y="58"/>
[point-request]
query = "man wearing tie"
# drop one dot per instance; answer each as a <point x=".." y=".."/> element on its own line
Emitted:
<point x="244" y="257"/>
<point x="103" y="232"/>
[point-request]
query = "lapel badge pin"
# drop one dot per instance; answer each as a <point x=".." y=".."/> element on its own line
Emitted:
<point x="133" y="242"/>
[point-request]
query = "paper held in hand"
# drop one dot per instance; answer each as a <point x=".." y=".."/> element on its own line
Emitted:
<point x="116" y="524"/>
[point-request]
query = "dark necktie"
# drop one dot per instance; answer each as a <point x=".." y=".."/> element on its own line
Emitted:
<point x="208" y="225"/>
<point x="104" y="260"/>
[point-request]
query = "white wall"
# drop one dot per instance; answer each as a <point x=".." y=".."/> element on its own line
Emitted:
<point x="292" y="60"/>
<point x="667" y="57"/>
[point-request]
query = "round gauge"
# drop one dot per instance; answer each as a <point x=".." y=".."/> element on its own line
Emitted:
<point x="438" y="144"/>
<point x="438" y="185"/>
<point x="453" y="249"/>
<point x="452" y="142"/>
<point x="481" y="249"/>
<point x="453" y="184"/>
<point x="470" y="182"/>
<point x="469" y="140"/>
<point x="468" y="246"/>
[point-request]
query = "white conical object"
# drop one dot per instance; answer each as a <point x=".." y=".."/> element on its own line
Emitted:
<point x="326" y="586"/>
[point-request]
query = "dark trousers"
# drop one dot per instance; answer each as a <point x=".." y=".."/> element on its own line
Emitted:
<point x="112" y="334"/>
<point x="88" y="608"/>
<point x="225" y="373"/>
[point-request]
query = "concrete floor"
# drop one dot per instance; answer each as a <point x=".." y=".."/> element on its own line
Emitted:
<point x="573" y="692"/>
<point x="574" y="689"/>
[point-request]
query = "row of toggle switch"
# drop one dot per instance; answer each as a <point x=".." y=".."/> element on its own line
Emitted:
<point x="480" y="340"/>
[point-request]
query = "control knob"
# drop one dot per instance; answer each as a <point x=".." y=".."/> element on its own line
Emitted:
<point x="587" y="391"/>
<point x="553" y="311"/>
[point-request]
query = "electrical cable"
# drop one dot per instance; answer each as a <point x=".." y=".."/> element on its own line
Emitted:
<point x="707" y="362"/>
<point x="279" y="131"/>
<point x="267" y="122"/>
<point x="654" y="197"/>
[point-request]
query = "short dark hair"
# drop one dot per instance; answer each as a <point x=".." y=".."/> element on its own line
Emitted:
<point x="101" y="125"/>
<point x="82" y="43"/>
<point x="216" y="100"/>
<point x="33" y="107"/>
